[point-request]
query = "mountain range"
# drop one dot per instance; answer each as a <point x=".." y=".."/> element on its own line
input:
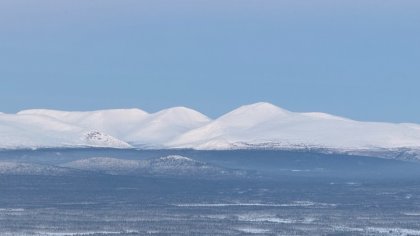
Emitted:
<point x="256" y="126"/>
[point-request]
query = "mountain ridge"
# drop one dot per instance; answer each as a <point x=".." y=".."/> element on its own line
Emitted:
<point x="254" y="126"/>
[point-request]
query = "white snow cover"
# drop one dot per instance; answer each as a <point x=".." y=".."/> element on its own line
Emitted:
<point x="115" y="122"/>
<point x="36" y="131"/>
<point x="263" y="124"/>
<point x="132" y="125"/>
<point x="259" y="125"/>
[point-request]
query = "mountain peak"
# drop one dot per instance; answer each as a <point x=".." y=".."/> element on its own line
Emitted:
<point x="182" y="113"/>
<point x="263" y="106"/>
<point x="256" y="112"/>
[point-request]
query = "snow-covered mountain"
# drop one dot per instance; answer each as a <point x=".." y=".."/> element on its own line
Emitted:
<point x="34" y="131"/>
<point x="265" y="125"/>
<point x="161" y="127"/>
<point x="115" y="122"/>
<point x="260" y="125"/>
<point x="134" y="126"/>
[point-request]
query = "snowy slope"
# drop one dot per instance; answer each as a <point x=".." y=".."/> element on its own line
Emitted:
<point x="133" y="125"/>
<point x="34" y="131"/>
<point x="163" y="126"/>
<point x="115" y="122"/>
<point x="265" y="125"/>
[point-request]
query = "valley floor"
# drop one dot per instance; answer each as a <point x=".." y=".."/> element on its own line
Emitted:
<point x="294" y="200"/>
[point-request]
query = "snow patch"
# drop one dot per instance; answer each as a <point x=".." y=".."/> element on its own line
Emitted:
<point x="98" y="139"/>
<point x="239" y="204"/>
<point x="250" y="230"/>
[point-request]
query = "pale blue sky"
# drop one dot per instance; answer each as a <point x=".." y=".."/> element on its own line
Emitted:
<point x="359" y="59"/>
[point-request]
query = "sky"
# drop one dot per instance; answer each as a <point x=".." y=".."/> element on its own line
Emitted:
<point x="359" y="59"/>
